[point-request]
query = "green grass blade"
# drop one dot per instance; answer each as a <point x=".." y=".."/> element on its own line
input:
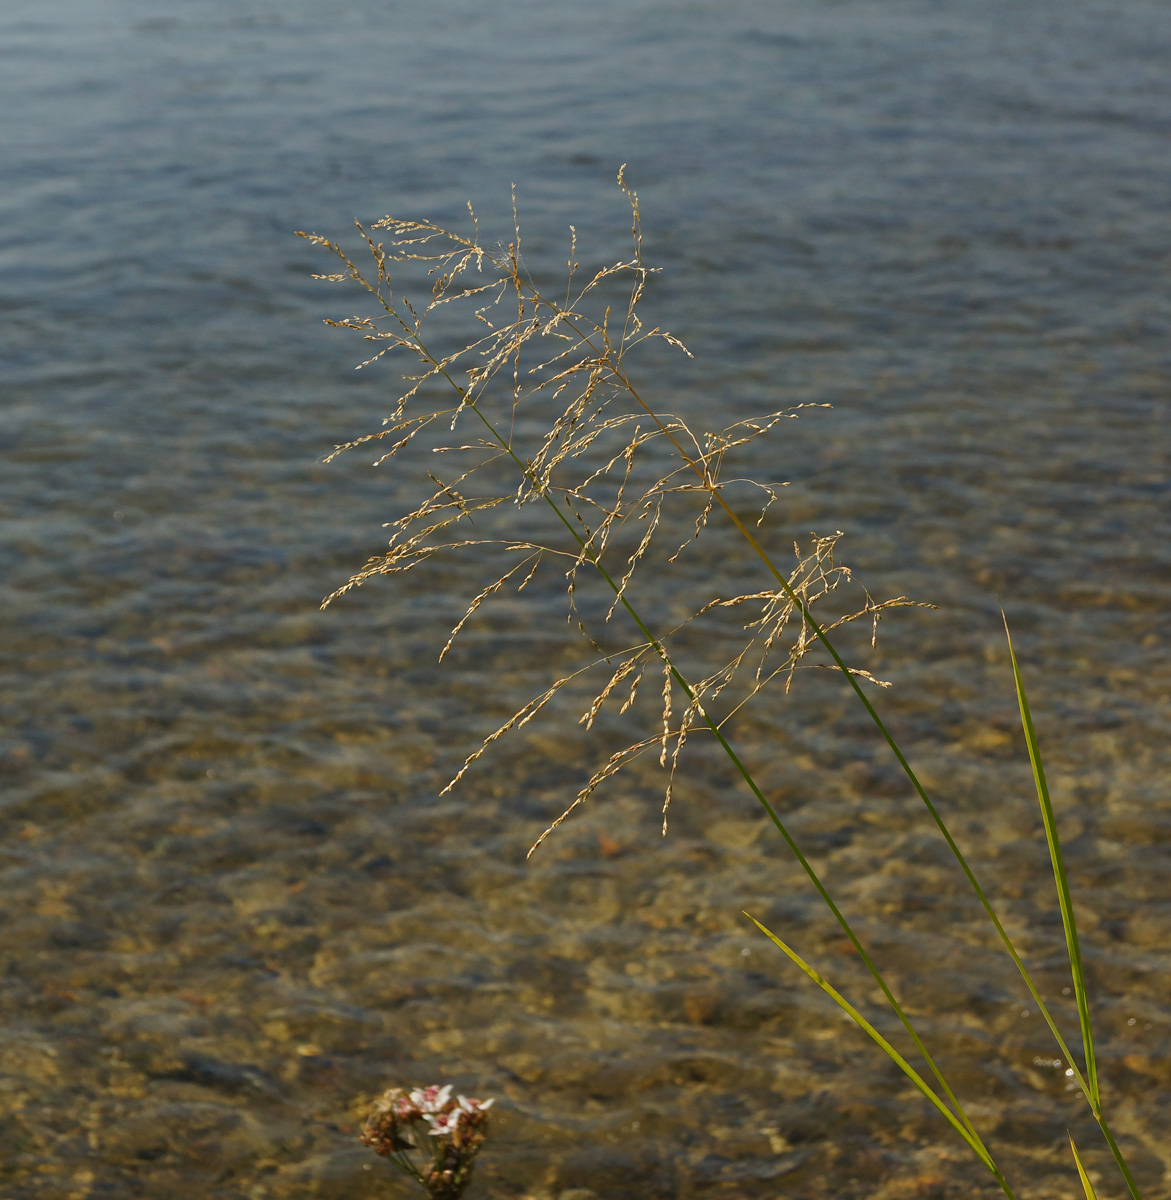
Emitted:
<point x="1073" y="946"/>
<point x="1087" y="1186"/>
<point x="970" y="1136"/>
<point x="1060" y="876"/>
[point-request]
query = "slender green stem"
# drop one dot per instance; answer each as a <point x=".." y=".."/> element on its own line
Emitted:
<point x="1116" y="1150"/>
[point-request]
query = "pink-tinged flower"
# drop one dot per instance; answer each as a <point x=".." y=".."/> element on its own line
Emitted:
<point x="431" y="1099"/>
<point x="443" y="1124"/>
<point x="405" y="1109"/>
<point x="470" y="1105"/>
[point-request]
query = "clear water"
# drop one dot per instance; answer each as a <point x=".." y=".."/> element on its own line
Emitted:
<point x="233" y="907"/>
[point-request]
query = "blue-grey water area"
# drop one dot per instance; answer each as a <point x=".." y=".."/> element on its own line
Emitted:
<point x="235" y="906"/>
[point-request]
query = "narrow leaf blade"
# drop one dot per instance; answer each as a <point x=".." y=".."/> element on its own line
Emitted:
<point x="1060" y="876"/>
<point x="1087" y="1186"/>
<point x="973" y="1141"/>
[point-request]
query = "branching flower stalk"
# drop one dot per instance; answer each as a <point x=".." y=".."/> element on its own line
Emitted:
<point x="595" y="468"/>
<point x="430" y="1135"/>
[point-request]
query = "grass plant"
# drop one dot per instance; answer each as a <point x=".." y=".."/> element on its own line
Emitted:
<point x="559" y="460"/>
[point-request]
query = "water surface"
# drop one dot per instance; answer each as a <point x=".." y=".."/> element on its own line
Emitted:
<point x="234" y="907"/>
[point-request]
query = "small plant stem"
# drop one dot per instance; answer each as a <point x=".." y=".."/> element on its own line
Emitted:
<point x="1118" y="1157"/>
<point x="735" y="759"/>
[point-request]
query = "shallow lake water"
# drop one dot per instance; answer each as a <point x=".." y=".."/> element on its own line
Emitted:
<point x="234" y="906"/>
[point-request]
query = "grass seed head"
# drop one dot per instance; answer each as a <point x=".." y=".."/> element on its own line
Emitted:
<point x="539" y="386"/>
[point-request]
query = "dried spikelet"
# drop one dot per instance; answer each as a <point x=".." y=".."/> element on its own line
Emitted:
<point x="631" y="664"/>
<point x="655" y="512"/>
<point x="517" y="721"/>
<point x="666" y="711"/>
<point x="607" y="770"/>
<point x="490" y="590"/>
<point x="524" y="583"/>
<point x="693" y="710"/>
<point x="628" y="703"/>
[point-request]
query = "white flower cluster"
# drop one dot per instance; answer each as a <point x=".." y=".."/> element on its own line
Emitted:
<point x="435" y="1105"/>
<point x="454" y="1129"/>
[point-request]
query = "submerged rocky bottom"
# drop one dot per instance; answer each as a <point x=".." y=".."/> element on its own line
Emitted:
<point x="211" y="969"/>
